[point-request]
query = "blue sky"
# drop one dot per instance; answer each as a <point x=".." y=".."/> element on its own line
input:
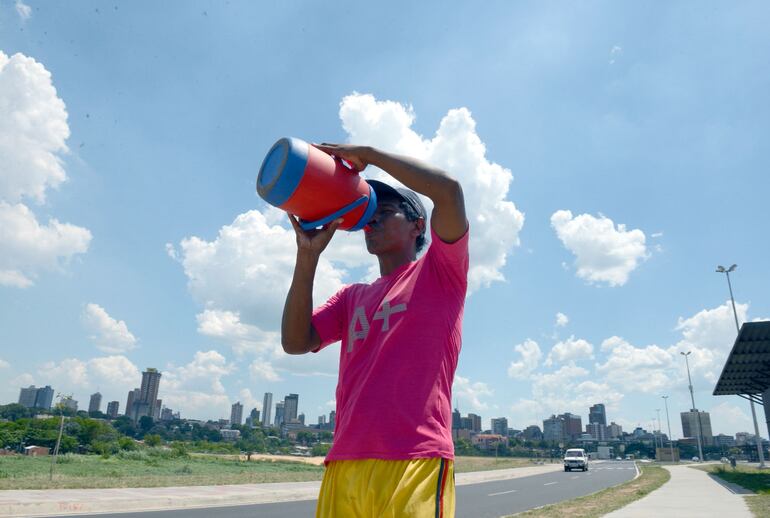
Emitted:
<point x="612" y="154"/>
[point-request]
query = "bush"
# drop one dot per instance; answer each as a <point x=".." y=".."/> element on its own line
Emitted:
<point x="126" y="444"/>
<point x="152" y="440"/>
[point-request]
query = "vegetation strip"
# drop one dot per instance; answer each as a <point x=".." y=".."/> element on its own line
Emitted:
<point x="750" y="478"/>
<point x="606" y="500"/>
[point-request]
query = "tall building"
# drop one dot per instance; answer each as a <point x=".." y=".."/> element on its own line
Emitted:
<point x="148" y="395"/>
<point x="301" y="419"/>
<point x="500" y="425"/>
<point x="166" y="414"/>
<point x="27" y="396"/>
<point x="157" y="408"/>
<point x="475" y="422"/>
<point x="133" y="395"/>
<point x="95" y="404"/>
<point x="267" y="406"/>
<point x="332" y="419"/>
<point x="532" y="433"/>
<point x="290" y="406"/>
<point x="690" y="425"/>
<point x="252" y="420"/>
<point x="279" y="413"/>
<point x="236" y="413"/>
<point x="321" y="421"/>
<point x="68" y="402"/>
<point x="33" y="397"/>
<point x="456" y="419"/>
<point x="553" y="429"/>
<point x="597" y="414"/>
<point x="573" y="425"/>
<point x="614" y="431"/>
<point x="112" y="409"/>
<point x="597" y="431"/>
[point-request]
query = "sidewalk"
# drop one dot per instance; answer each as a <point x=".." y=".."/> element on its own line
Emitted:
<point x="690" y="493"/>
<point x="47" y="502"/>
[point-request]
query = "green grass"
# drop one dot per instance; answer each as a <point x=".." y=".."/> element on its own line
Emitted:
<point x="147" y="468"/>
<point x="750" y="478"/>
<point x="607" y="500"/>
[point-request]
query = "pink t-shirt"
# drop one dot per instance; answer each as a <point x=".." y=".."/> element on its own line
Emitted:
<point x="401" y="337"/>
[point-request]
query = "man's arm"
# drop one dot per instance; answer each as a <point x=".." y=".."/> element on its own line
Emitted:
<point x="448" y="219"/>
<point x="298" y="336"/>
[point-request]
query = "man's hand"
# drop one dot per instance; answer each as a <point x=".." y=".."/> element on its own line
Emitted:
<point x="314" y="241"/>
<point x="352" y="154"/>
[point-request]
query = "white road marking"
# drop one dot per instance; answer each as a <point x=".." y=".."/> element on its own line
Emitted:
<point x="550" y="483"/>
<point x="503" y="492"/>
<point x="574" y="476"/>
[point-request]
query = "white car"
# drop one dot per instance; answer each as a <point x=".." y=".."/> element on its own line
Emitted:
<point x="575" y="458"/>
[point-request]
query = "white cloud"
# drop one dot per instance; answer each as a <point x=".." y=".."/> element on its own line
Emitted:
<point x="113" y="376"/>
<point x="603" y="252"/>
<point x="710" y="335"/>
<point x="530" y="357"/>
<point x="570" y="349"/>
<point x="263" y="370"/>
<point x="471" y="393"/>
<point x="23" y="10"/>
<point x="457" y="148"/>
<point x="729" y="418"/>
<point x="109" y="335"/>
<point x="26" y="247"/>
<point x="561" y="319"/>
<point x="639" y="369"/>
<point x="195" y="389"/>
<point x="249" y="401"/>
<point x="33" y="126"/>
<point x="4" y="364"/>
<point x="33" y="132"/>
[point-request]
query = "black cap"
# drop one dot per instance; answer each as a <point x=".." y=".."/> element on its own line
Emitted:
<point x="384" y="190"/>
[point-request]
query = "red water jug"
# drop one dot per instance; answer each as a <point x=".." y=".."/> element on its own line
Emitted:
<point x="314" y="186"/>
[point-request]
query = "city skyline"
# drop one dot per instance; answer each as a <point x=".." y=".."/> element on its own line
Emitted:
<point x="611" y="157"/>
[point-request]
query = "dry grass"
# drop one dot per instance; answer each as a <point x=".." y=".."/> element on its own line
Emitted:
<point x="607" y="500"/>
<point x="466" y="464"/>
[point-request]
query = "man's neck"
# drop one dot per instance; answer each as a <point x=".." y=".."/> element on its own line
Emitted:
<point x="393" y="261"/>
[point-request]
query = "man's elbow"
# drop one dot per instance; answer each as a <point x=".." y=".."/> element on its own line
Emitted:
<point x="294" y="347"/>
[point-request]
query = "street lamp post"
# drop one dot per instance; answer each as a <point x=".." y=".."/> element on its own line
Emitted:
<point x="660" y="434"/>
<point x="668" y="422"/>
<point x="692" y="398"/>
<point x="726" y="271"/>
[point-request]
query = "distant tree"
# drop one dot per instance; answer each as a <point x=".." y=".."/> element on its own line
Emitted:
<point x="152" y="440"/>
<point x="15" y="411"/>
<point x="145" y="423"/>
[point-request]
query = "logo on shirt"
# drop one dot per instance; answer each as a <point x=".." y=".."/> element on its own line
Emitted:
<point x="359" y="325"/>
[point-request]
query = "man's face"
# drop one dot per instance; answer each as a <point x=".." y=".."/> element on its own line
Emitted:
<point x="389" y="230"/>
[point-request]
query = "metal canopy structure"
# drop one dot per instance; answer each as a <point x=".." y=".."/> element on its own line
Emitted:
<point x="747" y="370"/>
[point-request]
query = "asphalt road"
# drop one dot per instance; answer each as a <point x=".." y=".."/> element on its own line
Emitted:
<point x="486" y="500"/>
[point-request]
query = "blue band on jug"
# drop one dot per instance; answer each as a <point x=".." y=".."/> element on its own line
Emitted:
<point x="282" y="170"/>
<point x="368" y="213"/>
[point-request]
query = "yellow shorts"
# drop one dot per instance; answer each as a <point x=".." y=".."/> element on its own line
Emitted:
<point x="393" y="488"/>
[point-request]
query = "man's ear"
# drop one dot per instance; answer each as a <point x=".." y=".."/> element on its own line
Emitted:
<point x="420" y="228"/>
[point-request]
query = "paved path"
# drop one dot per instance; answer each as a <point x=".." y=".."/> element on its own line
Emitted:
<point x="690" y="493"/>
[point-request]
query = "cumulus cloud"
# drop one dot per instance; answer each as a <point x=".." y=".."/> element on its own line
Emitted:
<point x="458" y="149"/>
<point x="615" y="53"/>
<point x="640" y="369"/>
<point x="33" y="132"/>
<point x="471" y="393"/>
<point x="109" y="335"/>
<point x="530" y="357"/>
<point x="33" y="124"/>
<point x="4" y="364"/>
<point x="112" y="375"/>
<point x="570" y="349"/>
<point x="27" y="247"/>
<point x="195" y="389"/>
<point x="604" y="252"/>
<point x="561" y="319"/>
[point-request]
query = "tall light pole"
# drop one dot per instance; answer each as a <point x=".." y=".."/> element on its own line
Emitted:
<point x="668" y="421"/>
<point x="726" y="271"/>
<point x="692" y="397"/>
<point x="659" y="427"/>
